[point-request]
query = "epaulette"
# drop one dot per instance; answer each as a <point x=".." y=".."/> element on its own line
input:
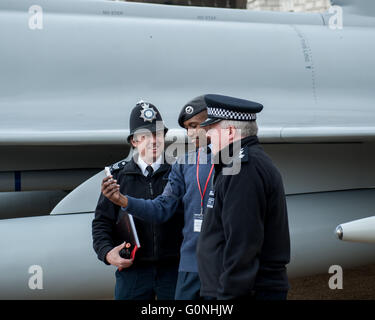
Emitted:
<point x="244" y="154"/>
<point x="118" y="165"/>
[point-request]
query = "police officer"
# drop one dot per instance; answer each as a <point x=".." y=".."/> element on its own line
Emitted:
<point x="153" y="272"/>
<point x="244" y="244"/>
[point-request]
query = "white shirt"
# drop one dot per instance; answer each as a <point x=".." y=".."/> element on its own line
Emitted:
<point x="143" y="165"/>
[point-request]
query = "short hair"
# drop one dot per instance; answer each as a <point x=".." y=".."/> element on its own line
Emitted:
<point x="248" y="128"/>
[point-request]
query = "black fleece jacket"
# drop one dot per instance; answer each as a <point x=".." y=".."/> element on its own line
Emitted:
<point x="159" y="242"/>
<point x="244" y="243"/>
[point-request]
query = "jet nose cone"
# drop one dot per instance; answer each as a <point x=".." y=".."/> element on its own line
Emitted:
<point x="339" y="232"/>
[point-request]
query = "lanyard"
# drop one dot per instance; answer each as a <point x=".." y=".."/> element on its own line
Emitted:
<point x="199" y="185"/>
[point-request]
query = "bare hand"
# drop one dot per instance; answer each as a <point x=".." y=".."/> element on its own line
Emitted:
<point x="113" y="257"/>
<point x="111" y="190"/>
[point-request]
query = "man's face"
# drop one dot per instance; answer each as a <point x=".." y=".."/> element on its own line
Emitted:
<point x="150" y="145"/>
<point x="218" y="136"/>
<point x="197" y="134"/>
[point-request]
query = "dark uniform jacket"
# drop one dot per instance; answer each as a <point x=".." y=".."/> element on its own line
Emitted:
<point x="159" y="242"/>
<point x="244" y="242"/>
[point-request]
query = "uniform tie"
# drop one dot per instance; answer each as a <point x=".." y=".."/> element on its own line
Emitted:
<point x="150" y="171"/>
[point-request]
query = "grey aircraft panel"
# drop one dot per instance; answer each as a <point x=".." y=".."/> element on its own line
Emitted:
<point x="313" y="219"/>
<point x="306" y="75"/>
<point x="62" y="246"/>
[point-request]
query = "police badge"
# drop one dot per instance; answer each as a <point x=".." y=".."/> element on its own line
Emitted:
<point x="147" y="112"/>
<point x="189" y="109"/>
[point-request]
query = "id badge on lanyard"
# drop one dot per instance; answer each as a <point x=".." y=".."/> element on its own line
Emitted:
<point x="198" y="218"/>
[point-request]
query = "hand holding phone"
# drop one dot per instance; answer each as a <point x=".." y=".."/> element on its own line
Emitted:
<point x="107" y="171"/>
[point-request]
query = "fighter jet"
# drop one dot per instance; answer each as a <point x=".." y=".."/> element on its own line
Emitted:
<point x="70" y="72"/>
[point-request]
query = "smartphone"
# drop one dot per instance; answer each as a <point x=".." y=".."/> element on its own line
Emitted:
<point x="107" y="171"/>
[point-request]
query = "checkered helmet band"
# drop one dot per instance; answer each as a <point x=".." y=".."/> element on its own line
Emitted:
<point x="230" y="115"/>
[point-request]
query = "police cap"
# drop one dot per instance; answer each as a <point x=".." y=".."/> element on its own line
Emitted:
<point x="221" y="107"/>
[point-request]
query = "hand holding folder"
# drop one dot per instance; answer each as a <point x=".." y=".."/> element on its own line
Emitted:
<point x="129" y="232"/>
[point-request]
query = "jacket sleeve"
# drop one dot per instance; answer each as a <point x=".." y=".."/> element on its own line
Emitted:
<point x="242" y="216"/>
<point x="103" y="226"/>
<point x="163" y="207"/>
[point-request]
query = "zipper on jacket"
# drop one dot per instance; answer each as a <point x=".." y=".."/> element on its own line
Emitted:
<point x="155" y="249"/>
<point x="151" y="190"/>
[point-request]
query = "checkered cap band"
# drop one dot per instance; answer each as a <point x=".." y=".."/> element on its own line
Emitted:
<point x="230" y="115"/>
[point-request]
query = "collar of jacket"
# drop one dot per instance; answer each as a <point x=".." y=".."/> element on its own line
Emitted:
<point x="132" y="168"/>
<point x="242" y="153"/>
